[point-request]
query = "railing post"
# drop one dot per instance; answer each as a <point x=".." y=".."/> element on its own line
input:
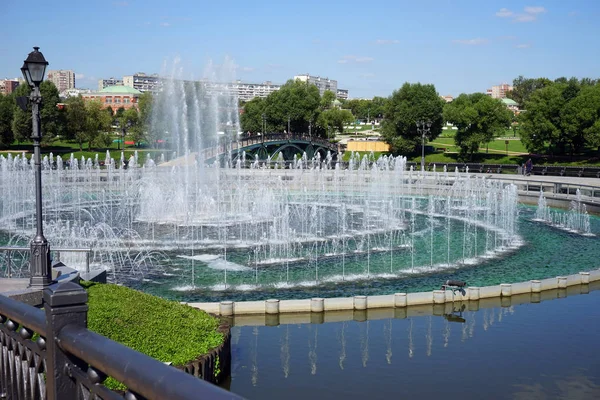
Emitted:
<point x="65" y="304"/>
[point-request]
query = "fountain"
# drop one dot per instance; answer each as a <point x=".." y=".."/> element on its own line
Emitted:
<point x="173" y="223"/>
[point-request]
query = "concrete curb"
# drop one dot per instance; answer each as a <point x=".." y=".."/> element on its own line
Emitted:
<point x="397" y="300"/>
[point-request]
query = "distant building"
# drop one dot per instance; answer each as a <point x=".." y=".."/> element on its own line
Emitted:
<point x="499" y="91"/>
<point x="511" y="105"/>
<point x="73" y="92"/>
<point x="248" y="91"/>
<point x="7" y="86"/>
<point x="115" y="97"/>
<point x="144" y="83"/>
<point x="63" y="79"/>
<point x="322" y="83"/>
<point x="342" y="94"/>
<point x="103" y="83"/>
<point x="448" y="98"/>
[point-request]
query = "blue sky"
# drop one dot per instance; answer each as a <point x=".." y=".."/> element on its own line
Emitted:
<point x="371" y="48"/>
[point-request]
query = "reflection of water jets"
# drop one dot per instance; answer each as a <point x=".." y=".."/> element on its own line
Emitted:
<point x="472" y="324"/>
<point x="312" y="351"/>
<point x="235" y="335"/>
<point x="364" y="344"/>
<point x="446" y="333"/>
<point x="492" y="316"/>
<point x="429" y="338"/>
<point x="387" y="331"/>
<point x="410" y="340"/>
<point x="343" y="345"/>
<point x="485" y="320"/>
<point x="465" y="332"/>
<point x="255" y="357"/>
<point x="285" y="352"/>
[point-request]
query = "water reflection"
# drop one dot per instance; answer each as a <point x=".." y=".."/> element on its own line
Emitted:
<point x="526" y="345"/>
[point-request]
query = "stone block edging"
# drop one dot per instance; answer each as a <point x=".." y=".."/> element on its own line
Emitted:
<point x="396" y="300"/>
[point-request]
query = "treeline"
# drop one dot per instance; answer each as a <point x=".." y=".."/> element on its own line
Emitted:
<point x="83" y="122"/>
<point x="560" y="117"/>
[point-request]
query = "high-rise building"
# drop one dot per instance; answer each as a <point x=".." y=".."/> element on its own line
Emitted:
<point x="499" y="91"/>
<point x="144" y="83"/>
<point x="102" y="83"/>
<point x="63" y="79"/>
<point x="342" y="94"/>
<point x="322" y="83"/>
<point x="7" y="86"/>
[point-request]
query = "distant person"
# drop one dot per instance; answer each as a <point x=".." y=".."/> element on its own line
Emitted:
<point x="528" y="167"/>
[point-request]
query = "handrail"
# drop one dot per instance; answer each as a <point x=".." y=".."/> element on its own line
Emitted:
<point x="140" y="373"/>
<point x="24" y="314"/>
<point x="88" y="252"/>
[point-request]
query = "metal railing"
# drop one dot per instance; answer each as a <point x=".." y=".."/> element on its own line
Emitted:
<point x="50" y="354"/>
<point x="55" y="253"/>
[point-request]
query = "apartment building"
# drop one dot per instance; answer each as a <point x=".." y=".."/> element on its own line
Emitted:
<point x="342" y="94"/>
<point x="144" y="83"/>
<point x="499" y="91"/>
<point x="7" y="86"/>
<point x="322" y="83"/>
<point x="63" y="79"/>
<point x="104" y="83"/>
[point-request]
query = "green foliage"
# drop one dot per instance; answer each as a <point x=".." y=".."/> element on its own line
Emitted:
<point x="6" y="117"/>
<point x="53" y="119"/>
<point x="162" y="329"/>
<point x="21" y="123"/>
<point x="478" y="118"/>
<point x="366" y="109"/>
<point x="251" y="119"/>
<point x="333" y="120"/>
<point x="406" y="106"/>
<point x="97" y="121"/>
<point x="523" y="88"/>
<point x="327" y="99"/>
<point x="76" y="117"/>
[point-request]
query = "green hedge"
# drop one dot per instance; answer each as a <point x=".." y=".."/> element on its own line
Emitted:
<point x="165" y="330"/>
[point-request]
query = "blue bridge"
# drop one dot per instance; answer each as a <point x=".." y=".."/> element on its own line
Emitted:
<point x="270" y="146"/>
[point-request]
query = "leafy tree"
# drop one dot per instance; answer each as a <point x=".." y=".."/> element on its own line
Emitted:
<point x="251" y="119"/>
<point x="333" y="120"/>
<point x="21" y="123"/>
<point x="145" y="105"/>
<point x="97" y="123"/>
<point x="478" y="118"/>
<point x="580" y="119"/>
<point x="76" y="119"/>
<point x="540" y="125"/>
<point x="411" y="103"/>
<point x="327" y="99"/>
<point x="523" y="88"/>
<point x="52" y="117"/>
<point x="129" y="122"/>
<point x="6" y="118"/>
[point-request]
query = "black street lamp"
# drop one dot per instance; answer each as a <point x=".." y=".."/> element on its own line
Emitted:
<point x="264" y="120"/>
<point x="423" y="127"/>
<point x="33" y="70"/>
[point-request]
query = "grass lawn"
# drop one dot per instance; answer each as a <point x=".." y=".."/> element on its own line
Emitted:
<point x="165" y="330"/>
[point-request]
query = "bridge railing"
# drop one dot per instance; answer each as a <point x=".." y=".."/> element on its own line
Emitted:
<point x="50" y="354"/>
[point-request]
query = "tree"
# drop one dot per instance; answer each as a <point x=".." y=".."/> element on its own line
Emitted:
<point x="540" y="125"/>
<point x="580" y="119"/>
<point x="406" y="106"/>
<point x="478" y="118"/>
<point x="76" y="119"/>
<point x="52" y="118"/>
<point x="333" y="120"/>
<point x="97" y="123"/>
<point x="21" y="123"/>
<point x="6" y="118"/>
<point x="251" y="119"/>
<point x="145" y="106"/>
<point x="523" y="88"/>
<point x="129" y="121"/>
<point x="327" y="99"/>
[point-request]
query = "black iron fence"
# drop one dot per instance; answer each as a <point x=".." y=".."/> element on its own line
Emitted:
<point x="50" y="354"/>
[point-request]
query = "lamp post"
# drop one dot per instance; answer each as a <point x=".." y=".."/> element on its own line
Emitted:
<point x="264" y="120"/>
<point x="289" y="120"/>
<point x="423" y="127"/>
<point x="33" y="70"/>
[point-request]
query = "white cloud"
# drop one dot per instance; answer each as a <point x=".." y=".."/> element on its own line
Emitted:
<point x="530" y="13"/>
<point x="523" y="46"/>
<point x="471" y="42"/>
<point x="387" y="41"/>
<point x="503" y="13"/>
<point x="165" y="24"/>
<point x="535" y="10"/>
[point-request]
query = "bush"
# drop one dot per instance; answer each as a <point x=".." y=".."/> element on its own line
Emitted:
<point x="165" y="330"/>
